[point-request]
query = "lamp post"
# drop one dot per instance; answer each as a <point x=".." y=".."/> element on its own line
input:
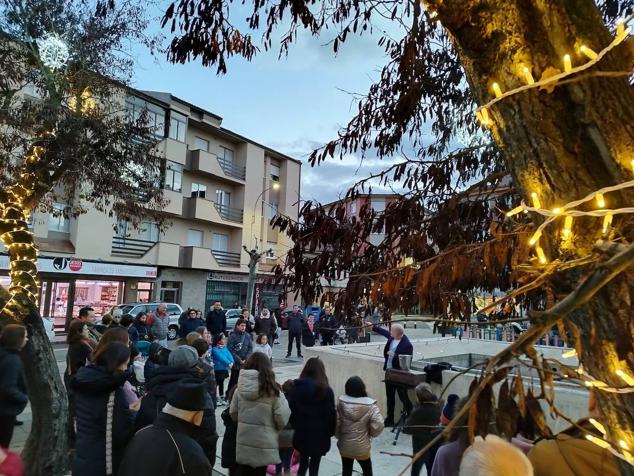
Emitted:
<point x="255" y="256"/>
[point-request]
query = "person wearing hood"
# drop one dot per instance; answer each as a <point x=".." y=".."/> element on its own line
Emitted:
<point x="313" y="416"/>
<point x="421" y="422"/>
<point x="261" y="411"/>
<point x="168" y="447"/>
<point x="13" y="397"/>
<point x="265" y="324"/>
<point x="104" y="418"/>
<point x="183" y="364"/>
<point x="240" y="344"/>
<point x="358" y="421"/>
<point x="569" y="453"/>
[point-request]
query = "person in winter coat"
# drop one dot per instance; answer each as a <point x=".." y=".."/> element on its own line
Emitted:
<point x="13" y="397"/>
<point x="168" y="447"/>
<point x="157" y="357"/>
<point x="158" y="323"/>
<point x="79" y="352"/>
<point x="261" y="411"/>
<point x="229" y="439"/>
<point x="358" y="421"/>
<point x="327" y="327"/>
<point x="140" y="324"/>
<point x="216" y="320"/>
<point x="262" y="345"/>
<point x="448" y="457"/>
<point x="202" y="348"/>
<point x="420" y="423"/>
<point x="265" y="324"/>
<point x="295" y="327"/>
<point x="223" y="361"/>
<point x="308" y="333"/>
<point x="190" y="324"/>
<point x="183" y="364"/>
<point x="285" y="440"/>
<point x="313" y="416"/>
<point x="105" y="421"/>
<point x="397" y="344"/>
<point x="240" y="345"/>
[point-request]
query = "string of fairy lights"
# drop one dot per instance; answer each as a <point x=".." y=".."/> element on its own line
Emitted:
<point x="617" y="444"/>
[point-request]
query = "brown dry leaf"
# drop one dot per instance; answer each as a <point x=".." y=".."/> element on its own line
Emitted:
<point x="518" y="389"/>
<point x="484" y="414"/>
<point x="535" y="410"/>
<point x="507" y="414"/>
<point x="549" y="72"/>
<point x="471" y="425"/>
<point x="473" y="386"/>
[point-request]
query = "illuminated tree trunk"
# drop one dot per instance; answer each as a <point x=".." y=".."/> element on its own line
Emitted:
<point x="563" y="145"/>
<point x="46" y="450"/>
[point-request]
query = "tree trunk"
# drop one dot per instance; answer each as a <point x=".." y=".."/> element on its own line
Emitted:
<point x="562" y="145"/>
<point x="46" y="450"/>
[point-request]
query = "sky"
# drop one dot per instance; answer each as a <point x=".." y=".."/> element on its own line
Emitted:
<point x="293" y="104"/>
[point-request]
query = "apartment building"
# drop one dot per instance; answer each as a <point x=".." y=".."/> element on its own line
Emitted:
<point x="222" y="188"/>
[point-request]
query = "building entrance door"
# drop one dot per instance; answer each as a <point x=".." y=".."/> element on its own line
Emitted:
<point x="56" y="298"/>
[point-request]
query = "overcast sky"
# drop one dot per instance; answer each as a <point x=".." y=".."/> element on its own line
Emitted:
<point x="292" y="105"/>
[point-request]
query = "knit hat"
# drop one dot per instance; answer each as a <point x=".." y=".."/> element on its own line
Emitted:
<point x="449" y="409"/>
<point x="190" y="394"/>
<point x="183" y="356"/>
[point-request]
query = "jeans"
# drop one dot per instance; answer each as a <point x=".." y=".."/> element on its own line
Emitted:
<point x="310" y="464"/>
<point x="221" y="376"/>
<point x="233" y="380"/>
<point x="390" y="392"/>
<point x="347" y="463"/>
<point x="298" y="342"/>
<point x="286" y="455"/>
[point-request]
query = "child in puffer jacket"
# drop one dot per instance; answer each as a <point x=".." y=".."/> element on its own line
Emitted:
<point x="358" y="421"/>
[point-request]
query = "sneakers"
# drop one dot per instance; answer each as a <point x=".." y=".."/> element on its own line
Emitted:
<point x="288" y="356"/>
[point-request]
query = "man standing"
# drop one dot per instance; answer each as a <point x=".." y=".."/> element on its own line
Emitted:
<point x="327" y="326"/>
<point x="158" y="324"/>
<point x="87" y="316"/>
<point x="295" y="326"/>
<point x="216" y="320"/>
<point x="397" y="344"/>
<point x="168" y="446"/>
<point x="240" y="344"/>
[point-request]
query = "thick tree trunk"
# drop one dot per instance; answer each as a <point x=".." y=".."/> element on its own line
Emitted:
<point x="563" y="145"/>
<point x="46" y="450"/>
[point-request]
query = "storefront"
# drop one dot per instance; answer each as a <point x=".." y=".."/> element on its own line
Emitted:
<point x="231" y="290"/>
<point x="68" y="284"/>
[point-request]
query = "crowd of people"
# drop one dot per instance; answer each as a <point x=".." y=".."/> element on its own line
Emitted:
<point x="161" y="420"/>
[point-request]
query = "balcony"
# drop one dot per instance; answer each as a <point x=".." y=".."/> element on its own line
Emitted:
<point x="193" y="257"/>
<point x="130" y="247"/>
<point x="224" y="258"/>
<point x="173" y="150"/>
<point x="167" y="254"/>
<point x="204" y="162"/>
<point x="205" y="210"/>
<point x="175" y="205"/>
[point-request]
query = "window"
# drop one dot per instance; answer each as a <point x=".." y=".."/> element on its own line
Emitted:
<point x="169" y="293"/>
<point x="220" y="242"/>
<point x="149" y="231"/>
<point x="199" y="190"/>
<point x="173" y="176"/>
<point x="195" y="238"/>
<point x="57" y="221"/>
<point x="153" y="114"/>
<point x="353" y="209"/>
<point x="223" y="198"/>
<point x="275" y="172"/>
<point x="271" y="249"/>
<point x="178" y="125"/>
<point x="272" y="210"/>
<point x="201" y="144"/>
<point x="378" y="206"/>
<point x="226" y="154"/>
<point x="121" y="228"/>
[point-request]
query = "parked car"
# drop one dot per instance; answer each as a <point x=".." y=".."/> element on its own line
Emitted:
<point x="173" y="310"/>
<point x="232" y="316"/>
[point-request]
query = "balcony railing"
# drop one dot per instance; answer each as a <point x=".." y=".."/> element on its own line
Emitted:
<point x="130" y="247"/>
<point x="231" y="169"/>
<point x="224" y="258"/>
<point x="228" y="213"/>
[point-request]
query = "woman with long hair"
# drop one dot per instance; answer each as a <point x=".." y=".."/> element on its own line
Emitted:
<point x="13" y="396"/>
<point x="105" y="421"/>
<point x="140" y="324"/>
<point x="79" y="351"/>
<point x="261" y="411"/>
<point x="313" y="416"/>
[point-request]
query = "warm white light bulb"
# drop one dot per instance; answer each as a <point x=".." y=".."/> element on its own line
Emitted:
<point x="589" y="52"/>
<point x="567" y="63"/>
<point x="497" y="90"/>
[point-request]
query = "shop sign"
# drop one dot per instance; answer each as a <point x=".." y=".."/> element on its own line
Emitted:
<point x="235" y="278"/>
<point x="79" y="267"/>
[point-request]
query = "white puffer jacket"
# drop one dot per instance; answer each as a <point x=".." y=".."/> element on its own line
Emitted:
<point x="358" y="421"/>
<point x="260" y="420"/>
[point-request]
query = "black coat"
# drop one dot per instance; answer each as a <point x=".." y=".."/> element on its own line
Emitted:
<point x="162" y="382"/>
<point x="189" y="325"/>
<point x="423" y="419"/>
<point x="295" y="323"/>
<point x="229" y="440"/>
<point x="313" y="416"/>
<point x="92" y="387"/>
<point x="152" y="452"/>
<point x="308" y="338"/>
<point x="216" y="322"/>
<point x="265" y="326"/>
<point x="13" y="397"/>
<point x="143" y="331"/>
<point x="76" y="357"/>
